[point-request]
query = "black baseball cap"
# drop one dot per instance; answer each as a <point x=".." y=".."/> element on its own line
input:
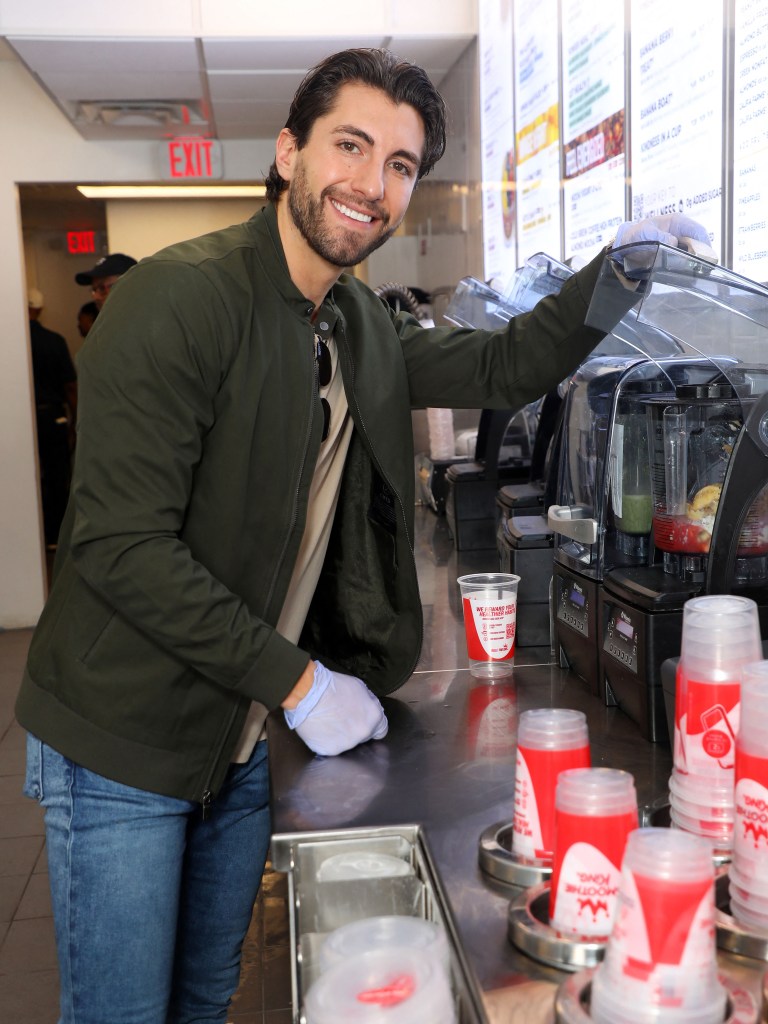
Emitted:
<point x="108" y="266"/>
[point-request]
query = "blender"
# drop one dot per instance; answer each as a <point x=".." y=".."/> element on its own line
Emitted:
<point x="684" y="506"/>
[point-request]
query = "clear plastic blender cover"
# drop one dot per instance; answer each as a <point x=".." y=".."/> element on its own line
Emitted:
<point x="715" y="323"/>
<point x="478" y="305"/>
<point x="686" y="307"/>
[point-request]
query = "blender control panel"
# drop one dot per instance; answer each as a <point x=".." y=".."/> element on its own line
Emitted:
<point x="573" y="606"/>
<point x="620" y="639"/>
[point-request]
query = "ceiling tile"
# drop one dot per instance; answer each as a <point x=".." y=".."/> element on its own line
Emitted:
<point x="252" y="85"/>
<point x="275" y="54"/>
<point x="107" y="55"/>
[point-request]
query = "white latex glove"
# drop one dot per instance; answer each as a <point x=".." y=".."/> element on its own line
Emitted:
<point x="671" y="229"/>
<point x="338" y="713"/>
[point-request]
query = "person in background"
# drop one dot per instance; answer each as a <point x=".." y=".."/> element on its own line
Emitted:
<point x="105" y="275"/>
<point x="86" y="316"/>
<point x="55" y="383"/>
<point x="240" y="540"/>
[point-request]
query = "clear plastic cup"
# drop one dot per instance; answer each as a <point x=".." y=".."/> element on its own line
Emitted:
<point x="660" y="961"/>
<point x="720" y="837"/>
<point x="750" y="833"/>
<point x="549" y="741"/>
<point x="393" y="932"/>
<point x="721" y="634"/>
<point x="342" y="867"/>
<point x="489" y="603"/>
<point x="595" y="810"/>
<point x="755" y="885"/>
<point x="382" y="986"/>
<point x="748" y="918"/>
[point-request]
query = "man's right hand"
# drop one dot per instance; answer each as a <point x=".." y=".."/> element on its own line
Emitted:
<point x="337" y="713"/>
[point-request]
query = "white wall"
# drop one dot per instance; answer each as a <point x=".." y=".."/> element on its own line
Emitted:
<point x="46" y="148"/>
<point x="140" y="227"/>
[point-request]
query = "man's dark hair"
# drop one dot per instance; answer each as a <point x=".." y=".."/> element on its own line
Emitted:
<point x="402" y="81"/>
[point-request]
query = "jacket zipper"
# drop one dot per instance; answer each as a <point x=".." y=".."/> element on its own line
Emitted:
<point x="295" y="512"/>
<point x="377" y="464"/>
<point x="207" y="797"/>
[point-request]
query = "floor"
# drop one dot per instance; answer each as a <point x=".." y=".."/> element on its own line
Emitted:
<point x="28" y="974"/>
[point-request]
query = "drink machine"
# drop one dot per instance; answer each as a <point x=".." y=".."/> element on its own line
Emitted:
<point x="663" y="474"/>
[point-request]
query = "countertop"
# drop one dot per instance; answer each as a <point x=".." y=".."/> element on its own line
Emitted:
<point x="434" y="770"/>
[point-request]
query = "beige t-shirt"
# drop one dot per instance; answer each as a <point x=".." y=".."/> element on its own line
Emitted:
<point x="323" y="497"/>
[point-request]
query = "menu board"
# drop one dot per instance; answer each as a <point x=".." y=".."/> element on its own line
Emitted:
<point x="676" y="110"/>
<point x="593" y="124"/>
<point x="537" y="136"/>
<point x="750" y="139"/>
<point x="497" y="141"/>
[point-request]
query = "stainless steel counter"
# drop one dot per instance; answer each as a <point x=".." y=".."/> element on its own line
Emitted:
<point x="430" y="771"/>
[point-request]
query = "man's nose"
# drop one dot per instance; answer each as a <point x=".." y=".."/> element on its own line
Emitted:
<point x="369" y="180"/>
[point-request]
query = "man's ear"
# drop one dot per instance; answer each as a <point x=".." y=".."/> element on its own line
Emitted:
<point x="285" y="154"/>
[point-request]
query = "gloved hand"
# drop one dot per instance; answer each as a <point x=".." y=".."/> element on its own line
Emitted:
<point x="338" y="713"/>
<point x="669" y="229"/>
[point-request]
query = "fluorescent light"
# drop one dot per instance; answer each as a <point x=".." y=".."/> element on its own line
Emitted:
<point x="171" y="191"/>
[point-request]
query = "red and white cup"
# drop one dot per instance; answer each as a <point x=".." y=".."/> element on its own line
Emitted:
<point x="549" y="741"/>
<point x="660" y="964"/>
<point x="489" y="604"/>
<point x="595" y="810"/>
<point x="721" y="634"/>
<point x="749" y="866"/>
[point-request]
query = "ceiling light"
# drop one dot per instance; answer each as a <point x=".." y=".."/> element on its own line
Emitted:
<point x="172" y="191"/>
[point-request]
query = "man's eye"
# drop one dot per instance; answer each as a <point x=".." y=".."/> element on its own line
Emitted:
<point x="403" y="169"/>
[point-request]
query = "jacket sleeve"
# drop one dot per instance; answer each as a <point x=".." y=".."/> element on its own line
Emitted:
<point x="508" y="368"/>
<point x="149" y="374"/>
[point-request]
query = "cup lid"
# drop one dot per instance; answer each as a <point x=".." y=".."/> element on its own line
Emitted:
<point x="669" y="854"/>
<point x="552" y="729"/>
<point x="595" y="791"/>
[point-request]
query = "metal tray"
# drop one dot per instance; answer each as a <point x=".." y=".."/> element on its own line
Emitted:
<point x="316" y="908"/>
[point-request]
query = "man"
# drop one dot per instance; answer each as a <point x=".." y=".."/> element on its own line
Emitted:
<point x="240" y="539"/>
<point x="86" y="317"/>
<point x="56" y="406"/>
<point x="104" y="275"/>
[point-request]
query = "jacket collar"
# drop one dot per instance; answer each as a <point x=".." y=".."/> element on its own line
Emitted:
<point x="264" y="230"/>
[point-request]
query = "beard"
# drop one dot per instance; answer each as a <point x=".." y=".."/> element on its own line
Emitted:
<point x="336" y="246"/>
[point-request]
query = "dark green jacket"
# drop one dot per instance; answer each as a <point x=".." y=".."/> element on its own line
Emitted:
<point x="198" y="431"/>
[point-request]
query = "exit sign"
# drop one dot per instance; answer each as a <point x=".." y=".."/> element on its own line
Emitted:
<point x="79" y="242"/>
<point x="191" y="159"/>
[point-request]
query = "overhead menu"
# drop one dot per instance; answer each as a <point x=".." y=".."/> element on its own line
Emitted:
<point x="497" y="141"/>
<point x="537" y="130"/>
<point x="676" y="110"/>
<point x="593" y="123"/>
<point x="750" y="139"/>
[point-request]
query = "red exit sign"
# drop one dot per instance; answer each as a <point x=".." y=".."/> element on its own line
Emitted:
<point x="191" y="159"/>
<point x="79" y="242"/>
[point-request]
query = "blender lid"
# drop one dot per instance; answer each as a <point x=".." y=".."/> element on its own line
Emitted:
<point x="694" y="309"/>
<point x="478" y="305"/>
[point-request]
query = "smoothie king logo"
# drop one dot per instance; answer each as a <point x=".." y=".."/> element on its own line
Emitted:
<point x="754" y="814"/>
<point x="593" y="892"/>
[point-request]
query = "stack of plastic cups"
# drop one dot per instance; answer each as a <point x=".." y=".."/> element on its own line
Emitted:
<point x="748" y="871"/>
<point x="388" y="932"/>
<point x="383" y="986"/>
<point x="549" y="741"/>
<point x="595" y="810"/>
<point x="660" y="964"/>
<point x="721" y="634"/>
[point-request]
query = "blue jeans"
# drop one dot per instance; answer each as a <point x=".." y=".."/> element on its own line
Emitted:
<point x="150" y="903"/>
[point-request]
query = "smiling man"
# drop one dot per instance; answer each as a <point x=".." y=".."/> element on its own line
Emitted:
<point x="240" y="539"/>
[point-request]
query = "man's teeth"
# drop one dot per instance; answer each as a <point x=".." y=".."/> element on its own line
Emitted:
<point x="363" y="217"/>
